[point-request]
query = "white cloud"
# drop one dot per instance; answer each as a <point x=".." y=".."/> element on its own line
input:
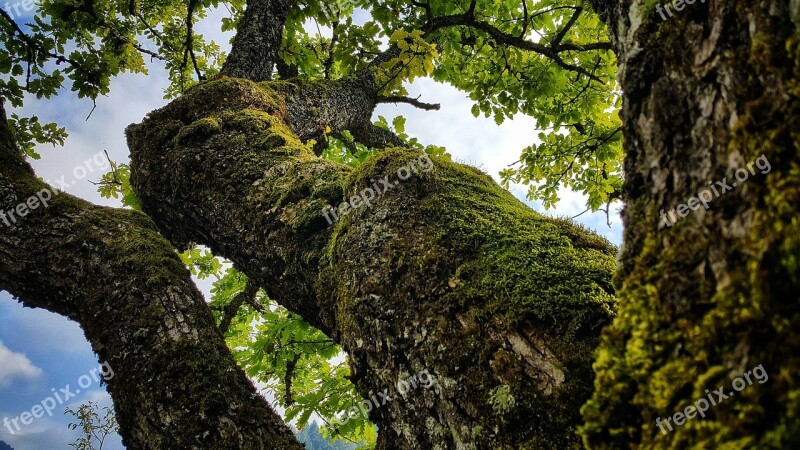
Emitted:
<point x="480" y="142"/>
<point x="15" y="365"/>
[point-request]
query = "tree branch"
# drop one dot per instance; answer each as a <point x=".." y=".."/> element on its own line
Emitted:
<point x="189" y="44"/>
<point x="374" y="136"/>
<point x="247" y="296"/>
<point x="174" y="383"/>
<point x="291" y="365"/>
<point x="501" y="37"/>
<point x="575" y="15"/>
<point x="384" y="266"/>
<point x="259" y="36"/>
<point x="411" y="101"/>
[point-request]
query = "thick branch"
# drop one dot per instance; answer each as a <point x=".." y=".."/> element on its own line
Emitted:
<point x="405" y="283"/>
<point x="259" y="36"/>
<point x="175" y="383"/>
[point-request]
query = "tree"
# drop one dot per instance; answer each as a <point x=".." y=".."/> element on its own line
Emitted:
<point x="445" y="272"/>
<point x="711" y="104"/>
<point x="314" y="440"/>
<point x="94" y="429"/>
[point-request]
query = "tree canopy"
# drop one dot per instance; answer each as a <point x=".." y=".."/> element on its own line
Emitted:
<point x="550" y="60"/>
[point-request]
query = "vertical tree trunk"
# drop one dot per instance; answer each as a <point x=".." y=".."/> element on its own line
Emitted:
<point x="258" y="38"/>
<point x="711" y="110"/>
<point x="175" y="385"/>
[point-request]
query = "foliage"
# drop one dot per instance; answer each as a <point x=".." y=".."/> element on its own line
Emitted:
<point x="547" y="59"/>
<point x="28" y="131"/>
<point x="345" y="150"/>
<point x="94" y="428"/>
<point x="503" y="59"/>
<point x="117" y="184"/>
<point x="314" y="440"/>
<point x="297" y="363"/>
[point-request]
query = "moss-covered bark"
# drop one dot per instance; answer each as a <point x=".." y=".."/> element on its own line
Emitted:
<point x="444" y="271"/>
<point x="706" y="93"/>
<point x="175" y="384"/>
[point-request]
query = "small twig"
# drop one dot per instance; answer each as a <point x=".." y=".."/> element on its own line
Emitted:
<point x="113" y="166"/>
<point x="291" y="365"/>
<point x="230" y="311"/>
<point x="411" y="101"/>
<point x="94" y="106"/>
<point x="587" y="210"/>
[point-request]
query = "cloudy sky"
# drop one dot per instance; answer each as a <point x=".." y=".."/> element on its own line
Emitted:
<point x="40" y="352"/>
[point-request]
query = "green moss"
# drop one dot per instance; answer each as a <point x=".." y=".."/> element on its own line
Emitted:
<point x="198" y="130"/>
<point x="444" y="247"/>
<point x="679" y="332"/>
<point x="471" y="250"/>
<point x="140" y="249"/>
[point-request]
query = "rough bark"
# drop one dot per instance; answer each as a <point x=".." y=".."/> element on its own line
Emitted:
<point x="444" y="272"/>
<point x="258" y="38"/>
<point x="706" y="92"/>
<point x="175" y="383"/>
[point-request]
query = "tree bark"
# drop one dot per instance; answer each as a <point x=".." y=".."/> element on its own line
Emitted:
<point x="707" y="93"/>
<point x="258" y="38"/>
<point x="444" y="271"/>
<point x="175" y="383"/>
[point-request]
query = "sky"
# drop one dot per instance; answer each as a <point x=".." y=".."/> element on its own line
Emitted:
<point x="41" y="352"/>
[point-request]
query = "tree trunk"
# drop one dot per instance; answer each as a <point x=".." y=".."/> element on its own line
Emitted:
<point x="175" y="385"/>
<point x="443" y="271"/>
<point x="258" y="37"/>
<point x="711" y="110"/>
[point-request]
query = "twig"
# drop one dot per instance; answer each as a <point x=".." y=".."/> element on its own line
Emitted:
<point x="411" y="101"/>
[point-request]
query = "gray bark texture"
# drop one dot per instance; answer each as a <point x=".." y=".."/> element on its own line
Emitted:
<point x="175" y="384"/>
<point x="443" y="271"/>
<point x="254" y="52"/>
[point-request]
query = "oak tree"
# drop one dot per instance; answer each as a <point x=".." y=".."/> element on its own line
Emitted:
<point x="446" y="273"/>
